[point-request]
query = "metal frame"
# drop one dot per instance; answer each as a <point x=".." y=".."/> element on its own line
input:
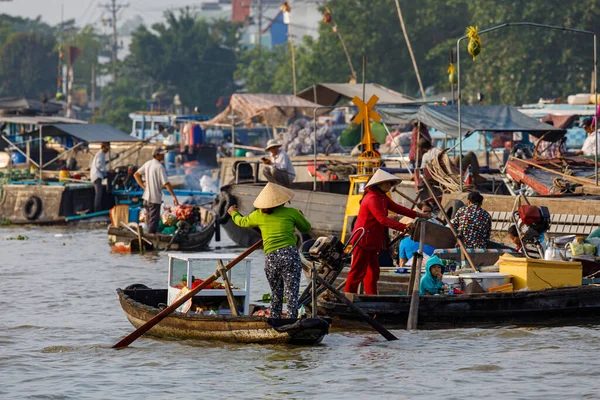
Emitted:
<point x="506" y="25"/>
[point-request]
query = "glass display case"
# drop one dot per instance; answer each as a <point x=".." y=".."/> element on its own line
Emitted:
<point x="190" y="270"/>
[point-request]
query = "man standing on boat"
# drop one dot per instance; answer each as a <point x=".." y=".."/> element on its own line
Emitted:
<point x="156" y="178"/>
<point x="98" y="172"/>
<point x="373" y="217"/>
<point x="278" y="167"/>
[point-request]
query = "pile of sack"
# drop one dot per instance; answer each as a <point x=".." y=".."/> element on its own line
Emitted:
<point x="299" y="139"/>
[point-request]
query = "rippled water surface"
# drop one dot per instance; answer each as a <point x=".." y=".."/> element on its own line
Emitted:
<point x="60" y="315"/>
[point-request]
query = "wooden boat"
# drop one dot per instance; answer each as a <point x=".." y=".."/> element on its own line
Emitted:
<point x="142" y="304"/>
<point x="549" y="307"/>
<point x="126" y="239"/>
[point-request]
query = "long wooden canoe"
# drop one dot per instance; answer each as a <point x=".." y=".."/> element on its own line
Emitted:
<point x="142" y="304"/>
<point x="549" y="307"/>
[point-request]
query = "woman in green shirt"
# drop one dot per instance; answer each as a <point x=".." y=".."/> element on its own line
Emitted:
<point x="282" y="261"/>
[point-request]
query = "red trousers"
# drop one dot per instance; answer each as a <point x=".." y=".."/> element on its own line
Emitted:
<point x="364" y="268"/>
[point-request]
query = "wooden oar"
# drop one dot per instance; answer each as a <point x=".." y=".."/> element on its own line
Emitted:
<point x="124" y="225"/>
<point x="126" y="341"/>
<point x="458" y="239"/>
<point x="376" y="325"/>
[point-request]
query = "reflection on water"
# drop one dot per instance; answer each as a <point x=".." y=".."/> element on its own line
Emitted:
<point x="60" y="315"/>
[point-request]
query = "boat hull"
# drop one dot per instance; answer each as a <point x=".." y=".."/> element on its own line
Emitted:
<point x="324" y="210"/>
<point x="138" y="305"/>
<point x="123" y="240"/>
<point x="550" y="307"/>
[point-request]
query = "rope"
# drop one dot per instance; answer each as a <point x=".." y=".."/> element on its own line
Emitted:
<point x="442" y="171"/>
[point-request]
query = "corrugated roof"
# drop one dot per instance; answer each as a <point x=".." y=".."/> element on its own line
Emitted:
<point x="89" y="132"/>
<point x="38" y="120"/>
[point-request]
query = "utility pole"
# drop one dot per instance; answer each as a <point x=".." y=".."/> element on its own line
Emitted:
<point x="259" y="22"/>
<point x="93" y="93"/>
<point x="113" y="8"/>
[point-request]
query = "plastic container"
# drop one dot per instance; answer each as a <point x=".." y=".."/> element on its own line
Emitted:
<point x="579" y="99"/>
<point x="63" y="175"/>
<point x="540" y="274"/>
<point x="486" y="279"/>
<point x="170" y="160"/>
<point x="134" y="215"/>
<point x="17" y="158"/>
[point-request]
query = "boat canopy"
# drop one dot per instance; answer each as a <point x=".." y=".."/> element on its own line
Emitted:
<point x="267" y="109"/>
<point x="24" y="106"/>
<point x="89" y="133"/>
<point x="479" y="118"/>
<point x="38" y="120"/>
<point x="329" y="94"/>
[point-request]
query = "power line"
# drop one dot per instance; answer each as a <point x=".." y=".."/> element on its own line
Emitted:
<point x="113" y="8"/>
<point x="90" y="4"/>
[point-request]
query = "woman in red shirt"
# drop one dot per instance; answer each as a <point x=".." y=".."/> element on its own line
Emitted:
<point x="373" y="217"/>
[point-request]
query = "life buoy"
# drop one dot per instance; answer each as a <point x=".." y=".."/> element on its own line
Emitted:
<point x="452" y="207"/>
<point x="225" y="201"/>
<point x="33" y="208"/>
<point x="136" y="286"/>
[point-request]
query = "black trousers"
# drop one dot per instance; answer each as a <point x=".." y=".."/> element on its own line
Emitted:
<point x="98" y="195"/>
<point x="153" y="216"/>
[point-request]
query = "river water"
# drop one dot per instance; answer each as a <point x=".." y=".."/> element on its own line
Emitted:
<point x="60" y="315"/>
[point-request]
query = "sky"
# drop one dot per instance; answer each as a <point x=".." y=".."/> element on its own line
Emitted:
<point x="90" y="11"/>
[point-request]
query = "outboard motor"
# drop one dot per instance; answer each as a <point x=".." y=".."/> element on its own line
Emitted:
<point x="532" y="222"/>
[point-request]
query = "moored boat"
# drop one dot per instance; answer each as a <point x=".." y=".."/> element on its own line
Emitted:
<point x="126" y="237"/>
<point x="548" y="307"/>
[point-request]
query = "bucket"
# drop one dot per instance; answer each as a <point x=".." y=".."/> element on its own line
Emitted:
<point x="63" y="175"/>
<point x="486" y="279"/>
<point x="17" y="158"/>
<point x="170" y="160"/>
<point x="240" y="153"/>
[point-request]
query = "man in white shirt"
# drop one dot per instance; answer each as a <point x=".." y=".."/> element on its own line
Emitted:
<point x="429" y="153"/>
<point x="98" y="172"/>
<point x="589" y="146"/>
<point x="156" y="178"/>
<point x="278" y="167"/>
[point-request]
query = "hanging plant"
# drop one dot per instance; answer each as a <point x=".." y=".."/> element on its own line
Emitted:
<point x="474" y="47"/>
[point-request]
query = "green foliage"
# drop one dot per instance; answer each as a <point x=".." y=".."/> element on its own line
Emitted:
<point x="89" y="41"/>
<point x="28" y="66"/>
<point x="352" y="135"/>
<point x="193" y="58"/>
<point x="119" y="100"/>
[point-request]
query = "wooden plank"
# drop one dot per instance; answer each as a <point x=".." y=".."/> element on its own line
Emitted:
<point x="230" y="298"/>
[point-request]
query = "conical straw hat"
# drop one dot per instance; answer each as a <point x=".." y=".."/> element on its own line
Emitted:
<point x="381" y="176"/>
<point x="273" y="196"/>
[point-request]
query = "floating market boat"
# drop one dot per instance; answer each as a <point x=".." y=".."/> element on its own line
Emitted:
<point x="548" y="307"/>
<point x="51" y="195"/>
<point x="216" y="313"/>
<point x="127" y="237"/>
<point x="141" y="305"/>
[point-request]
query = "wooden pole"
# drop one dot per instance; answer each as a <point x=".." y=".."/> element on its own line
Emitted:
<point x="126" y="341"/>
<point x="376" y="325"/>
<point x="228" y="291"/>
<point x="93" y="93"/>
<point x="413" y="312"/>
<point x="458" y="239"/>
<point x="576" y="179"/>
